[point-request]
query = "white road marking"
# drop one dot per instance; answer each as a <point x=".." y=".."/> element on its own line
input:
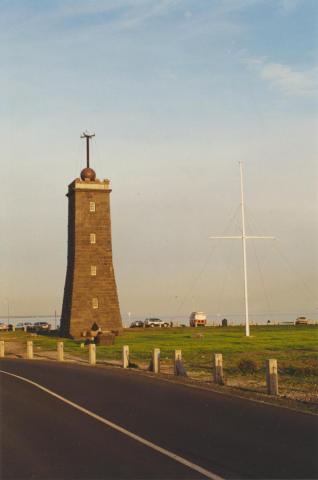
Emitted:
<point x="163" y="451"/>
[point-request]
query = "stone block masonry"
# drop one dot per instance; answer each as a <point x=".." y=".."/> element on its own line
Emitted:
<point x="90" y="293"/>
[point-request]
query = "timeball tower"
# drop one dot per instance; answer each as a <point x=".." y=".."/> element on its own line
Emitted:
<point x="90" y="293"/>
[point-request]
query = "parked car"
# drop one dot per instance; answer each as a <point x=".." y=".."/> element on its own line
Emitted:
<point x="301" y="321"/>
<point x="156" y="322"/>
<point x="24" y="325"/>
<point x="137" y="324"/>
<point x="42" y="326"/>
<point x="3" y="326"/>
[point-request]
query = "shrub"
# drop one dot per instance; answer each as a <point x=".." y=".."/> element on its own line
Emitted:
<point x="247" y="365"/>
<point x="133" y="365"/>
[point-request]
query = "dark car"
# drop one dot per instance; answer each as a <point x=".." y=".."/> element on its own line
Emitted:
<point x="137" y="324"/>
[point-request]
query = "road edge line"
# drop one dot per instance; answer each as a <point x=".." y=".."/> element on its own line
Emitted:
<point x="120" y="429"/>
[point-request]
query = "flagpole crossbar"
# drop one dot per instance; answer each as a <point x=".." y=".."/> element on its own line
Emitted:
<point x="243" y="236"/>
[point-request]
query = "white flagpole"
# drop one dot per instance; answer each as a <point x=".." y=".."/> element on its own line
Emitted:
<point x="244" y="237"/>
<point x="247" y="324"/>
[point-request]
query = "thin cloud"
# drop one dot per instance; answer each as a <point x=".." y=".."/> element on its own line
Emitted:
<point x="284" y="78"/>
<point x="289" y="81"/>
<point x="117" y="14"/>
<point x="289" y="6"/>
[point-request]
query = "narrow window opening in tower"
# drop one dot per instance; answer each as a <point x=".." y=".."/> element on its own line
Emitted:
<point x="92" y="238"/>
<point x="92" y="206"/>
<point x="93" y="270"/>
<point x="95" y="303"/>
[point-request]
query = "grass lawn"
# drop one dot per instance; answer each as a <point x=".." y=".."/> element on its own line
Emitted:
<point x="295" y="349"/>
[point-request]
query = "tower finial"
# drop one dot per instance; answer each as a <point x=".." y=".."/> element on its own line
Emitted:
<point x="88" y="173"/>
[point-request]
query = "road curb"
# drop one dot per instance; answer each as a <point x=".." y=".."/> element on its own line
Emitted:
<point x="256" y="397"/>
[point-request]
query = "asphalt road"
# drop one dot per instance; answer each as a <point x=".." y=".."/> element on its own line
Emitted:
<point x="42" y="437"/>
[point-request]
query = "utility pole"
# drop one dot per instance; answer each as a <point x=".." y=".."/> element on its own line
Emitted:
<point x="244" y="237"/>
<point x="8" y="309"/>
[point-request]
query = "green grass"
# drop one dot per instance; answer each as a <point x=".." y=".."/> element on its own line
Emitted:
<point x="283" y="342"/>
<point x="295" y="348"/>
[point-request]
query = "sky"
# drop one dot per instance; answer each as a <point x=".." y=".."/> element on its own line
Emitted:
<point x="177" y="93"/>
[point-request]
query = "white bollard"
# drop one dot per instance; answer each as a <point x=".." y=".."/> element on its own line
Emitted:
<point x="179" y="369"/>
<point x="13" y="328"/>
<point x="29" y="353"/>
<point x="125" y="356"/>
<point x="272" y="376"/>
<point x="60" y="351"/>
<point x="1" y="348"/>
<point x="156" y="360"/>
<point x="92" y="354"/>
<point x="25" y="328"/>
<point x="177" y="359"/>
<point x="218" y="369"/>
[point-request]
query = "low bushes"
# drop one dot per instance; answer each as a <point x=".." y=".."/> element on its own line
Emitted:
<point x="247" y="366"/>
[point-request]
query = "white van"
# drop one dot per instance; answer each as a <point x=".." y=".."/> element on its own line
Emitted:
<point x="198" y="319"/>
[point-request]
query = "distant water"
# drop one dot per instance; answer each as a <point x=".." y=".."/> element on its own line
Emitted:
<point x="233" y="319"/>
<point x="14" y="320"/>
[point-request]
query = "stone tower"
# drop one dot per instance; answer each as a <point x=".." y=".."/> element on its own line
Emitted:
<point x="90" y="293"/>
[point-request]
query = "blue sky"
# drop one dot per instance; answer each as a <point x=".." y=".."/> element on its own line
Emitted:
<point x="177" y="92"/>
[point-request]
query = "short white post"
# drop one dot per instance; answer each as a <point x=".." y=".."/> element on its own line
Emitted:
<point x="272" y="376"/>
<point x="25" y="328"/>
<point x="60" y="351"/>
<point x="156" y="360"/>
<point x="29" y="352"/>
<point x="13" y="328"/>
<point x="1" y="348"/>
<point x="125" y="356"/>
<point x="92" y="354"/>
<point x="177" y="358"/>
<point x="218" y="369"/>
